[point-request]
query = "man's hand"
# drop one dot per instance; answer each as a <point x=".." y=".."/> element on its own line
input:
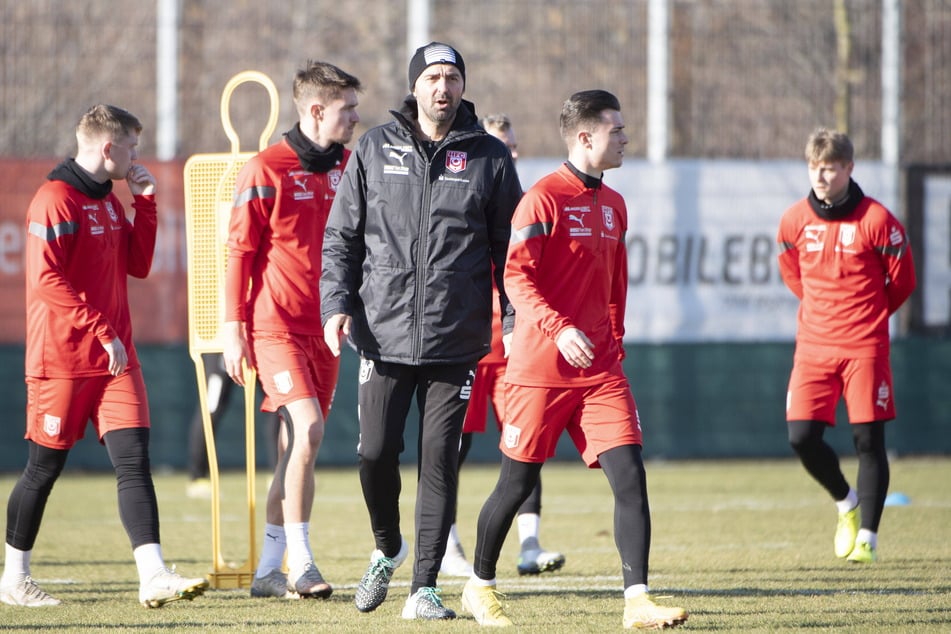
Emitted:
<point x="235" y="352"/>
<point x="336" y="330"/>
<point x="140" y="180"/>
<point x="118" y="358"/>
<point x="576" y="348"/>
<point x="507" y="344"/>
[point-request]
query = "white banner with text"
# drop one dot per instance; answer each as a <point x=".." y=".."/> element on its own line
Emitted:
<point x="702" y="245"/>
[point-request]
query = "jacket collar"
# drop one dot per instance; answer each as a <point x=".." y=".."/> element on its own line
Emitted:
<point x="840" y="210"/>
<point x="590" y="182"/>
<point x="73" y="175"/>
<point x="465" y="121"/>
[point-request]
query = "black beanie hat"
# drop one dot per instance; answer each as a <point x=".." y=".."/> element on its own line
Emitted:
<point x="434" y="53"/>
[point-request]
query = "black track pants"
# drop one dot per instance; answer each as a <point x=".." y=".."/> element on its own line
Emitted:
<point x="442" y="396"/>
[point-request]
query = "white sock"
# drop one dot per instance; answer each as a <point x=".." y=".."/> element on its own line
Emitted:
<point x="636" y="590"/>
<point x="850" y="502"/>
<point x="453" y="540"/>
<point x="868" y="537"/>
<point x="272" y="551"/>
<point x="485" y="583"/>
<point x="298" y="545"/>
<point x="148" y="560"/>
<point x="528" y="528"/>
<point x="16" y="567"/>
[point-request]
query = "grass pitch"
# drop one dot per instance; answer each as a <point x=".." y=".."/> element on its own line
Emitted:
<point x="743" y="546"/>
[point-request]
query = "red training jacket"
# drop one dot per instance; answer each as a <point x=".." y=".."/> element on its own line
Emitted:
<point x="79" y="252"/>
<point x="567" y="267"/>
<point x="850" y="274"/>
<point x="282" y="206"/>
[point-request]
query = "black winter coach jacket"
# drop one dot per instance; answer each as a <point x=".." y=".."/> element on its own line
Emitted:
<point x="412" y="242"/>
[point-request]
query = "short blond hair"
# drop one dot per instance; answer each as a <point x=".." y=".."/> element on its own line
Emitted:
<point x="322" y="81"/>
<point x="105" y="120"/>
<point x="829" y="146"/>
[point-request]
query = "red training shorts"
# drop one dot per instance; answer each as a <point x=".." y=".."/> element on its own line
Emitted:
<point x="597" y="417"/>
<point x="816" y="385"/>
<point x="57" y="409"/>
<point x="294" y="367"/>
<point x="487" y="387"/>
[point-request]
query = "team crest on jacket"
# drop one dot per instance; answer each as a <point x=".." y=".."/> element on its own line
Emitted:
<point x="608" y="214"/>
<point x="333" y="177"/>
<point x="846" y="235"/>
<point x="113" y="216"/>
<point x="456" y="161"/>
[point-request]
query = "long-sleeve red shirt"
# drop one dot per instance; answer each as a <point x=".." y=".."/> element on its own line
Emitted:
<point x="850" y="274"/>
<point x="274" y="244"/>
<point x="567" y="267"/>
<point x="79" y="252"/>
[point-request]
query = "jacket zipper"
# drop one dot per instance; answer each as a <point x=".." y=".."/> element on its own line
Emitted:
<point x="425" y="212"/>
<point x="425" y="209"/>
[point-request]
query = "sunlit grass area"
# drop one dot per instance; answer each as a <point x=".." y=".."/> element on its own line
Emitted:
<point x="743" y="546"/>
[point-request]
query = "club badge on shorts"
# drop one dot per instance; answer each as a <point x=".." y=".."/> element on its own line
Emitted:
<point x="283" y="382"/>
<point x="52" y="424"/>
<point x="511" y="435"/>
<point x="884" y="394"/>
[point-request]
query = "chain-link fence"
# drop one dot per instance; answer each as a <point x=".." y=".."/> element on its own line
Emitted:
<point x="748" y="78"/>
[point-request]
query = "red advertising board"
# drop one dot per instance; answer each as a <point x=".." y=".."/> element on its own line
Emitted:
<point x="158" y="303"/>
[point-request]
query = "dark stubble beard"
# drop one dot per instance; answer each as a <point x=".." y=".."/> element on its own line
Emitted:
<point x="441" y="116"/>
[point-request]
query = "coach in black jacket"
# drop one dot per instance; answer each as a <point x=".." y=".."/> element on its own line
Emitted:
<point x="420" y="219"/>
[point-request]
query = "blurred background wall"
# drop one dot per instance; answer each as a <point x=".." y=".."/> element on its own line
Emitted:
<point x="718" y="97"/>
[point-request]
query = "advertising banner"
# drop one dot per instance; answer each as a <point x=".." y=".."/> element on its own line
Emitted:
<point x="158" y="302"/>
<point x="701" y="247"/>
<point x="702" y="253"/>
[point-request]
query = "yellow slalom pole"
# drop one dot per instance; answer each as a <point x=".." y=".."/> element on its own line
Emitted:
<point x="209" y="193"/>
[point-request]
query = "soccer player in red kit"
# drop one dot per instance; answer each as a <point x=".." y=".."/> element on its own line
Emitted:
<point x="487" y="388"/>
<point x="81" y="364"/>
<point x="564" y="371"/>
<point x="272" y="309"/>
<point x="849" y="262"/>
